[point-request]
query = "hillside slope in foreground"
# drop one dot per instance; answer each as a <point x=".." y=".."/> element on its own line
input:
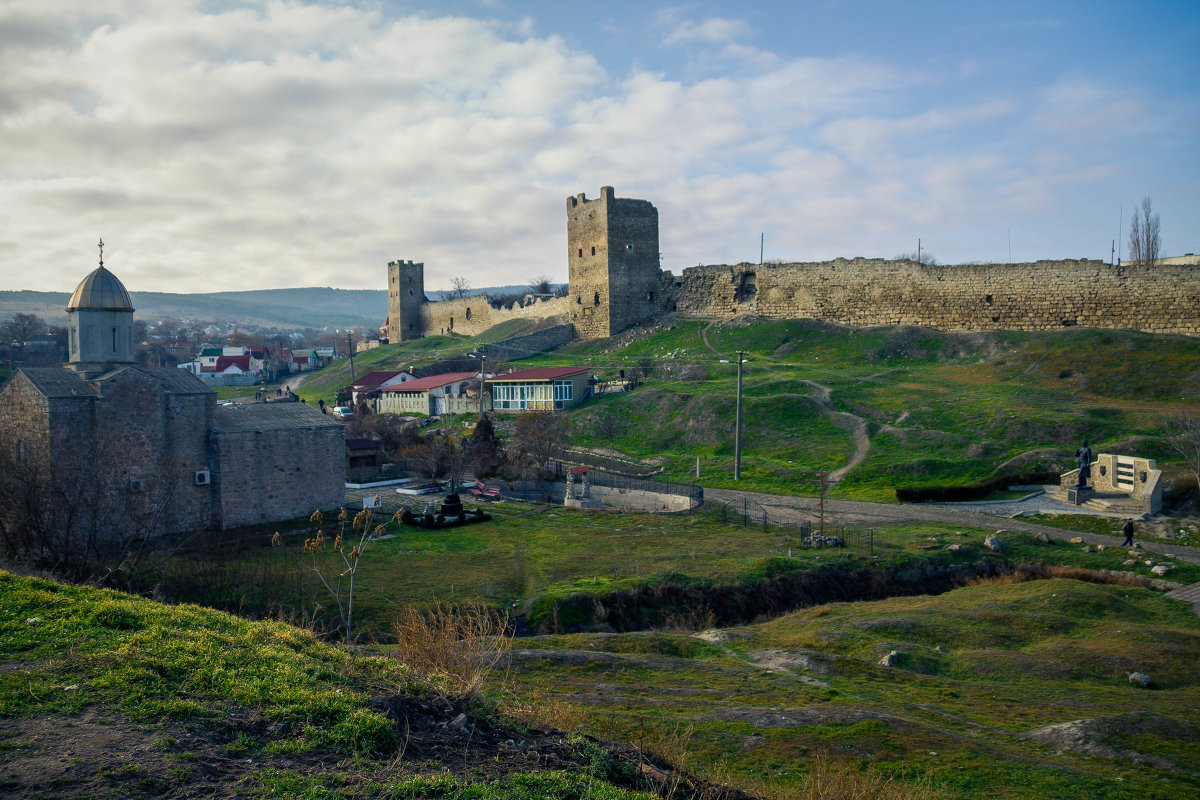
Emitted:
<point x="108" y="695"/>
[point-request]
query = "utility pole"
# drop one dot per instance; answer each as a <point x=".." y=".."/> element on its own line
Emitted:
<point x="350" y="350"/>
<point x="762" y="238"/>
<point x="482" y="378"/>
<point x="821" y="503"/>
<point x="1120" y="223"/>
<point x="918" y="251"/>
<point x="737" y="440"/>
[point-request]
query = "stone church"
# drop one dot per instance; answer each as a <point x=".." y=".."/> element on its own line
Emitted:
<point x="105" y="442"/>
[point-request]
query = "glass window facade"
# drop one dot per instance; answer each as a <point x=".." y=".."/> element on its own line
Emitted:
<point x="531" y="396"/>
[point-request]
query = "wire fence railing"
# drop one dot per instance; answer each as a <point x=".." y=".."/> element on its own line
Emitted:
<point x="791" y="530"/>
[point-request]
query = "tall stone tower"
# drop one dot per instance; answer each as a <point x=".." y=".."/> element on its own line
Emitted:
<point x="613" y="268"/>
<point x="99" y="323"/>
<point x="406" y="293"/>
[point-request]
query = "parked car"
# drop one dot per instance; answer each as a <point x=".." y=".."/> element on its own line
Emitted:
<point x="343" y="412"/>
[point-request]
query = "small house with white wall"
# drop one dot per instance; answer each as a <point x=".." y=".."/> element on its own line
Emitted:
<point x="540" y="389"/>
<point x="435" y="394"/>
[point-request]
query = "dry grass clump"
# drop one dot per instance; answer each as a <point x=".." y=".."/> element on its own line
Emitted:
<point x="460" y="642"/>
<point x="833" y="780"/>
<point x="1039" y="572"/>
<point x="547" y="711"/>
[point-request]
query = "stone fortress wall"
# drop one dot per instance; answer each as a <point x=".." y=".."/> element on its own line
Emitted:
<point x="1044" y="295"/>
<point x="474" y="315"/>
<point x="616" y="282"/>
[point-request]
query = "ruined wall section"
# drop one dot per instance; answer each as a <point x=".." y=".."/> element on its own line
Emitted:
<point x="1045" y="295"/>
<point x="473" y="315"/>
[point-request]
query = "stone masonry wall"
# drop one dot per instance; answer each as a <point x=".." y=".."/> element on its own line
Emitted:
<point x="1041" y="296"/>
<point x="278" y="474"/>
<point x="473" y="315"/>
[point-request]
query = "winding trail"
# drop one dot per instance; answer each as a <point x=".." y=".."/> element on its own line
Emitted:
<point x="856" y="425"/>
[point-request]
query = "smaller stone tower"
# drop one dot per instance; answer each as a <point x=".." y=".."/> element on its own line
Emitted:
<point x="406" y="293"/>
<point x="612" y="256"/>
<point x="100" y="323"/>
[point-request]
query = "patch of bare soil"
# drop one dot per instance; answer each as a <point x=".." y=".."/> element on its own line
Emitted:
<point x="89" y="755"/>
<point x="806" y="660"/>
<point x="1094" y="737"/>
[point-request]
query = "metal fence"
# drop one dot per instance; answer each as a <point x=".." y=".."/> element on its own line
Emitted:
<point x="792" y="531"/>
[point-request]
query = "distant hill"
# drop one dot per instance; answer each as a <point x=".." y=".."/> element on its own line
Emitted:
<point x="315" y="307"/>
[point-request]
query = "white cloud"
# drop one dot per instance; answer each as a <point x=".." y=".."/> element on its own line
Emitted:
<point x="281" y="143"/>
<point x="715" y="30"/>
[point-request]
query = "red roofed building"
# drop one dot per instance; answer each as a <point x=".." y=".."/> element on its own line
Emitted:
<point x="540" y="389"/>
<point x="371" y="383"/>
<point x="436" y="394"/>
<point x="239" y="364"/>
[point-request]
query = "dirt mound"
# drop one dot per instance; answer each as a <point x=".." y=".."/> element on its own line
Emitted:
<point x="1111" y="737"/>
<point x="806" y="660"/>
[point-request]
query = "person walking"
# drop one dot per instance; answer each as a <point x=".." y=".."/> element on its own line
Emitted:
<point x="1128" y="531"/>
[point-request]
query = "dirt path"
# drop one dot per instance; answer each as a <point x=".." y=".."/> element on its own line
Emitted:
<point x="293" y="383"/>
<point x="823" y="400"/>
<point x="857" y="512"/>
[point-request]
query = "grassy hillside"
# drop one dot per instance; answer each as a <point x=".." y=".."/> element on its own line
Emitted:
<point x="981" y="677"/>
<point x="937" y="407"/>
<point x="103" y="694"/>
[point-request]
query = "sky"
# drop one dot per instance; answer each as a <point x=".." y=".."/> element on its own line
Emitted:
<point x="221" y="146"/>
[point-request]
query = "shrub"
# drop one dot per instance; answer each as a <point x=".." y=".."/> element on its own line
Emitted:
<point x="461" y="642"/>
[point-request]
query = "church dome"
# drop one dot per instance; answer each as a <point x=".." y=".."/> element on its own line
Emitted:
<point x="100" y="290"/>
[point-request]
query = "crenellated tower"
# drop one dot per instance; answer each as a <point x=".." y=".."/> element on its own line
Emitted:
<point x="406" y="293"/>
<point x="613" y="263"/>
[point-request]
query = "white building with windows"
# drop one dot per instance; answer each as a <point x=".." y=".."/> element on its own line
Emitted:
<point x="540" y="389"/>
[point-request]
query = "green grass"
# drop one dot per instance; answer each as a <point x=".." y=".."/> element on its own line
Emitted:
<point x="979" y="667"/>
<point x="530" y="559"/>
<point x="943" y="408"/>
<point x="75" y="647"/>
<point x="81" y="658"/>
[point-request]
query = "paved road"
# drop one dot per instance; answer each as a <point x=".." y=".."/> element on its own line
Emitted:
<point x="862" y="513"/>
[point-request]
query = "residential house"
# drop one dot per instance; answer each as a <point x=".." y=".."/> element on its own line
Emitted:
<point x="543" y="388"/>
<point x="369" y="385"/>
<point x="436" y="394"/>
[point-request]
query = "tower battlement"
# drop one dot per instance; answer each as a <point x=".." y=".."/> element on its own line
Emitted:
<point x="613" y="262"/>
<point x="406" y="295"/>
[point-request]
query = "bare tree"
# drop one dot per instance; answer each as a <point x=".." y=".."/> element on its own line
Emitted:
<point x="22" y="328"/>
<point x="1183" y="436"/>
<point x="86" y="517"/>
<point x="540" y="284"/>
<point x="460" y="286"/>
<point x="607" y="424"/>
<point x="1144" y="242"/>
<point x="537" y="436"/>
<point x="924" y="258"/>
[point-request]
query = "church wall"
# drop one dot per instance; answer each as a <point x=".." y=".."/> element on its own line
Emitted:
<point x="186" y="433"/>
<point x="26" y="420"/>
<point x="278" y="474"/>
